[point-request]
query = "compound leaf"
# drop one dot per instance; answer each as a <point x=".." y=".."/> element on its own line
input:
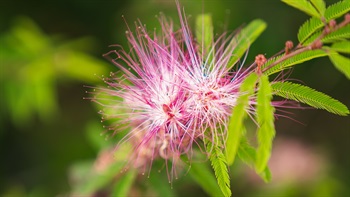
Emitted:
<point x="309" y="96"/>
<point x="338" y="9"/>
<point x="247" y="154"/>
<point x="297" y="59"/>
<point x="338" y="35"/>
<point x="304" y="6"/>
<point x="241" y="42"/>
<point x="205" y="35"/>
<point x="309" y="28"/>
<point x="235" y="127"/>
<point x="219" y="164"/>
<point x="342" y="47"/>
<point x="202" y="174"/>
<point x="265" y="116"/>
<point x="341" y="63"/>
<point x="319" y="5"/>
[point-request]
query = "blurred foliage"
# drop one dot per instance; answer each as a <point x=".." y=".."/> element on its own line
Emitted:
<point x="41" y="88"/>
<point x="33" y="63"/>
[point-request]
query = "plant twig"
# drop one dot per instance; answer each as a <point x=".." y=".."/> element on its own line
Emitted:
<point x="317" y="44"/>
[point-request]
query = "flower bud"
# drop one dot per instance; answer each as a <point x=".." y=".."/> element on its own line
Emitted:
<point x="332" y="24"/>
<point x="288" y="46"/>
<point x="317" y="44"/>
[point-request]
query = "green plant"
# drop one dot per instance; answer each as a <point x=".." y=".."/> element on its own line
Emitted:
<point x="183" y="91"/>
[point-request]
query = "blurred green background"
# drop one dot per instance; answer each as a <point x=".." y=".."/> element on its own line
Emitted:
<point x="50" y="50"/>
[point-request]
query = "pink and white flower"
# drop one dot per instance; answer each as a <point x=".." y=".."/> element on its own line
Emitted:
<point x="170" y="93"/>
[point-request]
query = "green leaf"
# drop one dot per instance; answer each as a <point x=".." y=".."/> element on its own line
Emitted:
<point x="247" y="154"/>
<point x="339" y="35"/>
<point x="271" y="61"/>
<point x="304" y="6"/>
<point x="124" y="184"/>
<point x="319" y="5"/>
<point x="219" y="164"/>
<point x="95" y="181"/>
<point x="93" y="135"/>
<point x="265" y="116"/>
<point x="205" y="35"/>
<point x="313" y="37"/>
<point x="342" y="47"/>
<point x="341" y="63"/>
<point x="266" y="175"/>
<point x="309" y="28"/>
<point x="337" y="10"/>
<point x="155" y="180"/>
<point x="297" y="59"/>
<point x="239" y="113"/>
<point x="73" y="62"/>
<point x="242" y="41"/>
<point x="203" y="176"/>
<point x="309" y="96"/>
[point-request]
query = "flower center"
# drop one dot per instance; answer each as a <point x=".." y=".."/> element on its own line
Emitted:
<point x="167" y="110"/>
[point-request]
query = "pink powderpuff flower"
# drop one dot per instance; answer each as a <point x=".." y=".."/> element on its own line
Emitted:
<point x="171" y="94"/>
<point x="155" y="99"/>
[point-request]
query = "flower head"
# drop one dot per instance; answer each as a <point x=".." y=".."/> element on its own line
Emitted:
<point x="170" y="93"/>
<point x="155" y="97"/>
